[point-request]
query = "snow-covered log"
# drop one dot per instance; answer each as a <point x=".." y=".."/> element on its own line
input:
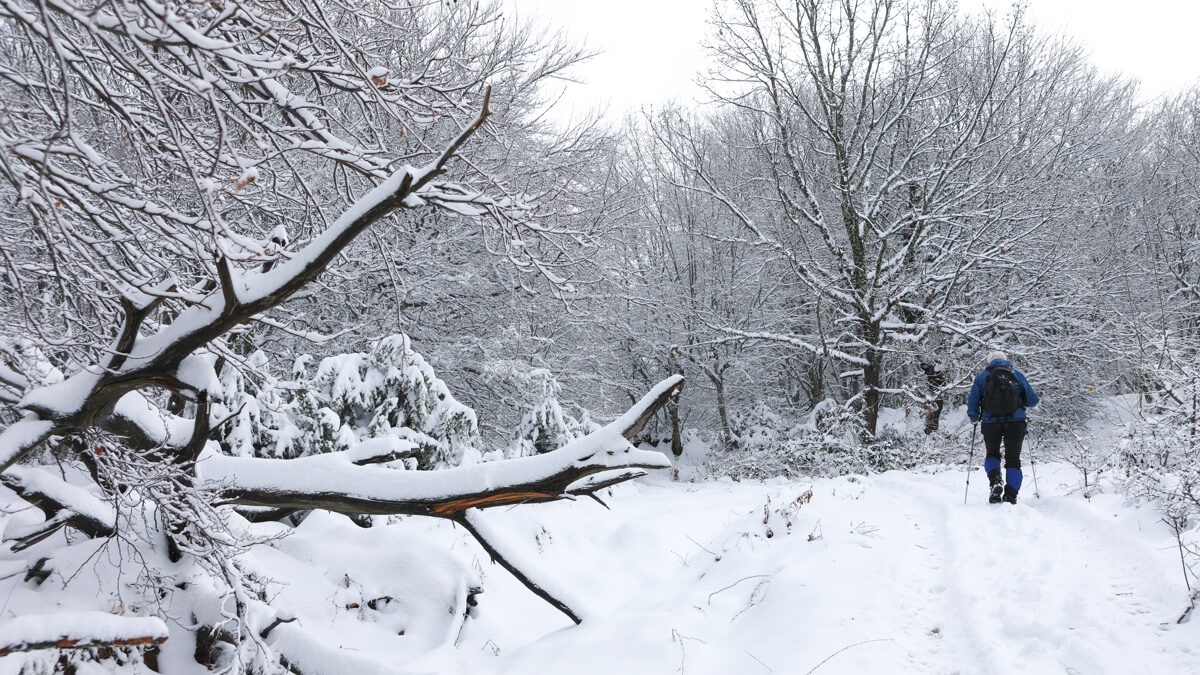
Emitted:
<point x="347" y="482"/>
<point x="79" y="630"/>
<point x="335" y="482"/>
<point x="62" y="503"/>
<point x="21" y="436"/>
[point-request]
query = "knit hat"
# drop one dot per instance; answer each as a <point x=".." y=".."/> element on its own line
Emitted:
<point x="996" y="355"/>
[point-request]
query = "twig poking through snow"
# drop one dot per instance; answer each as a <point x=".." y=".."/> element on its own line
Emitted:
<point x="865" y="530"/>
<point x="676" y="636"/>
<point x="1187" y="613"/>
<point x="760" y="661"/>
<point x="856" y="644"/>
<point x="715" y="555"/>
<point x="755" y="597"/>
<point x="755" y="576"/>
<point x="544" y="587"/>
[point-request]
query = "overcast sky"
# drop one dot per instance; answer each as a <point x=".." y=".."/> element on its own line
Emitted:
<point x="651" y="49"/>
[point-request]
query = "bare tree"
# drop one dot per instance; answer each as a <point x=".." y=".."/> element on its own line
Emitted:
<point x="896" y="143"/>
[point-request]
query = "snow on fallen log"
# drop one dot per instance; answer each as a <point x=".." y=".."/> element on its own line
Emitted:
<point x="334" y="482"/>
<point x="305" y="654"/>
<point x="33" y="484"/>
<point x="78" y="630"/>
<point x="62" y="504"/>
<point x="380" y="450"/>
<point x="22" y="436"/>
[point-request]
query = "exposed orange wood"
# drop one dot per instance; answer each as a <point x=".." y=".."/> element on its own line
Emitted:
<point x="459" y="505"/>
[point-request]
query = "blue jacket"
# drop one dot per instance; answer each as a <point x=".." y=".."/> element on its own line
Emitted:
<point x="1028" y="398"/>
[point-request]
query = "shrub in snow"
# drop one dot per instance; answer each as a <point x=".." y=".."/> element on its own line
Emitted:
<point x="1159" y="456"/>
<point x="389" y="392"/>
<point x="244" y="404"/>
<point x="829" y="441"/>
<point x="755" y="429"/>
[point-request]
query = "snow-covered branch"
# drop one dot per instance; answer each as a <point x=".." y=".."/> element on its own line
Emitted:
<point x="62" y="504"/>
<point x="335" y="482"/>
<point x="524" y="570"/>
<point x="79" y="630"/>
<point x="153" y="360"/>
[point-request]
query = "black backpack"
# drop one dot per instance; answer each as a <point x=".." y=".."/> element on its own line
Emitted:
<point x="1002" y="394"/>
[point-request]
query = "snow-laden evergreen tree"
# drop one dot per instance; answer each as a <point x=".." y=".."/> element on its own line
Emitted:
<point x="546" y="426"/>
<point x="346" y="399"/>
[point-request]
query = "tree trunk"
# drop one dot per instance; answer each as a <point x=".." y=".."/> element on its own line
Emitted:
<point x="676" y="432"/>
<point x="722" y="410"/>
<point x="933" y="414"/>
<point x="872" y="376"/>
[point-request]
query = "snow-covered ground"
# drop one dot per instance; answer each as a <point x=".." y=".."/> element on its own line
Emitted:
<point x="884" y="574"/>
<point x="889" y="573"/>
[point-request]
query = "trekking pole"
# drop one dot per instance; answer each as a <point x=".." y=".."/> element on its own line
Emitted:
<point x="971" y="464"/>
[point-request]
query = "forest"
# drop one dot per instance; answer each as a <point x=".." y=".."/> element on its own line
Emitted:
<point x="301" y="297"/>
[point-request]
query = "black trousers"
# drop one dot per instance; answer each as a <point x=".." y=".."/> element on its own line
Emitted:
<point x="1011" y="434"/>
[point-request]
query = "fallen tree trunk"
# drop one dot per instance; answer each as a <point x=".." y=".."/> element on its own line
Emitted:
<point x="62" y="503"/>
<point x="352" y="483"/>
<point x="336" y="483"/>
<point x="346" y="484"/>
<point x="79" y="630"/>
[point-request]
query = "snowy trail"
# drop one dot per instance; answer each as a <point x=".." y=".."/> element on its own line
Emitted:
<point x="888" y="574"/>
<point x="1051" y="587"/>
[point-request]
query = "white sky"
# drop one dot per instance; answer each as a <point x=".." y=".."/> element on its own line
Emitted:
<point x="652" y="48"/>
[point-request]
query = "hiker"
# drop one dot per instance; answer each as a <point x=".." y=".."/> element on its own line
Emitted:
<point x="999" y="398"/>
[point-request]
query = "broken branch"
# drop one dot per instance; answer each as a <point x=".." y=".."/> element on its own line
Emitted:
<point x="79" y="630"/>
